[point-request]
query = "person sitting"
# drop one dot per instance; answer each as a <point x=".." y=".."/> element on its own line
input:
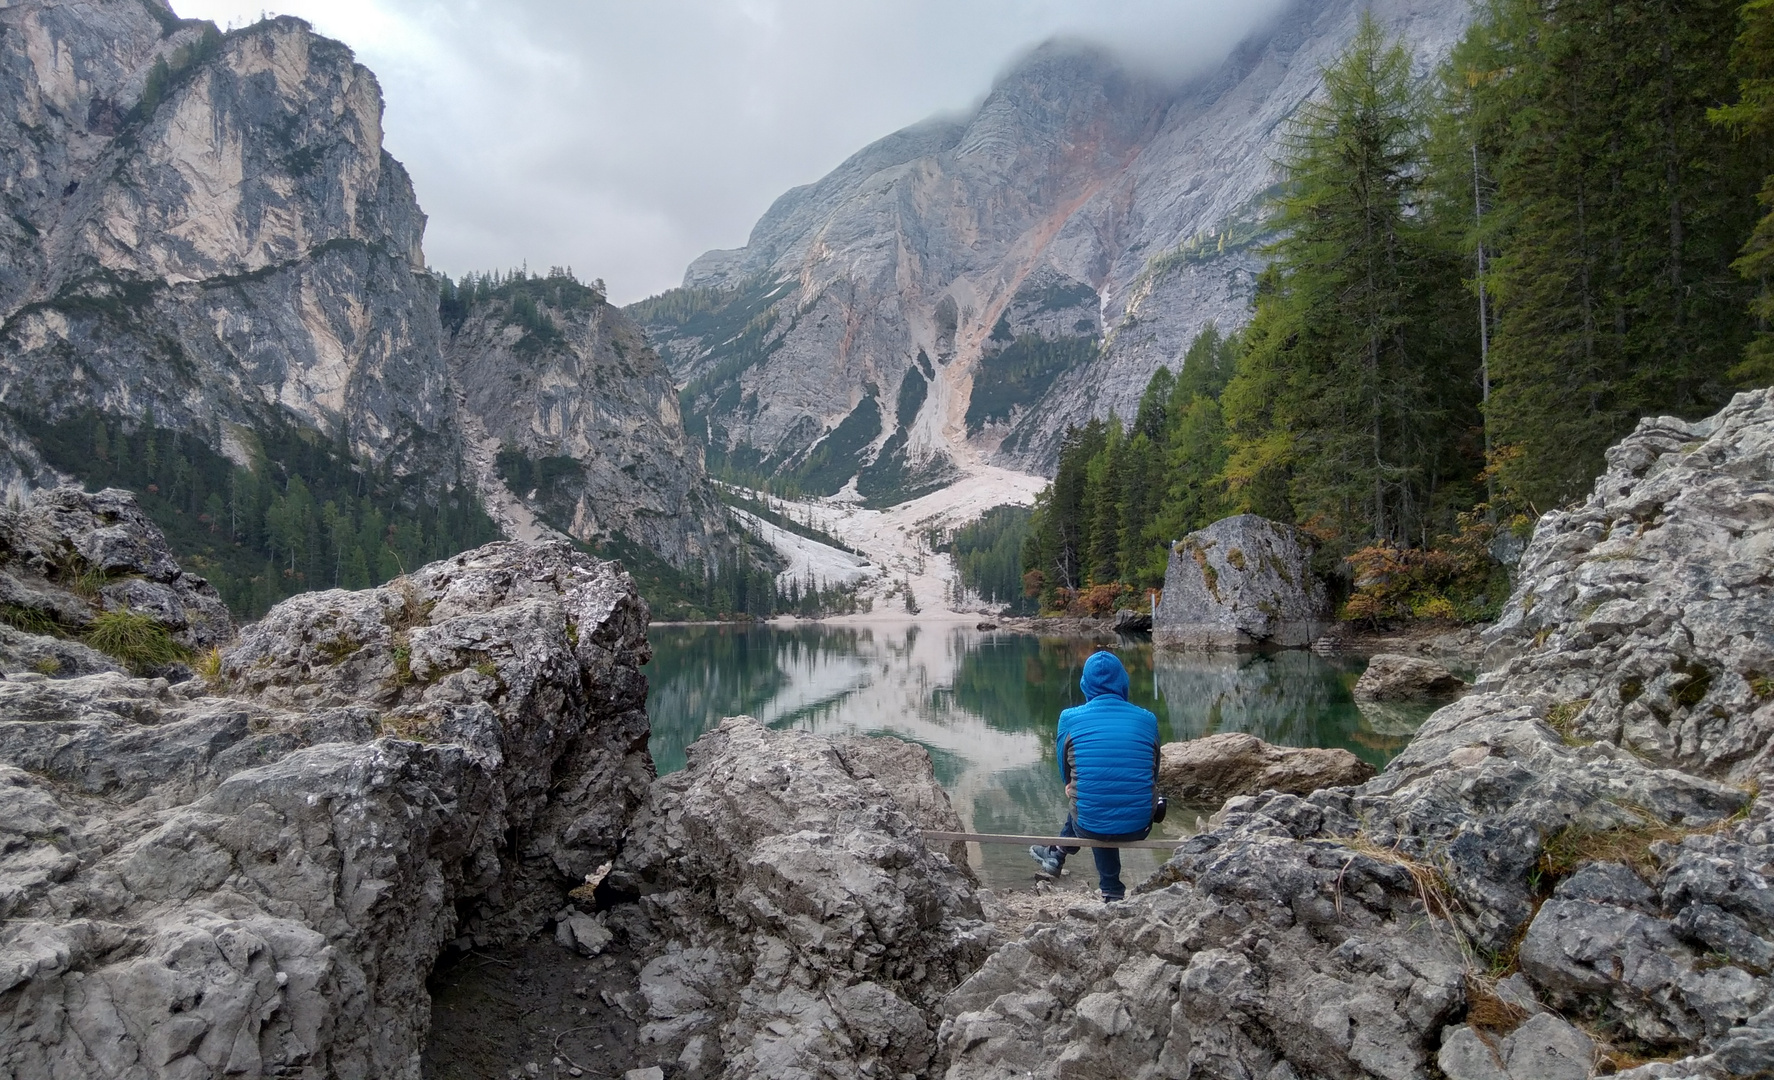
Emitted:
<point x="1108" y="760"/>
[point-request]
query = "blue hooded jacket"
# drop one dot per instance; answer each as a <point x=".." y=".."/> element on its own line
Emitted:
<point x="1109" y="748"/>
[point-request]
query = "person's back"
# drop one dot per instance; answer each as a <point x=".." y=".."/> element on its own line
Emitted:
<point x="1108" y="759"/>
<point x="1109" y="752"/>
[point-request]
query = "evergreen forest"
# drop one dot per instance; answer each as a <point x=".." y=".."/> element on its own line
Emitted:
<point x="1478" y="281"/>
<point x="305" y="515"/>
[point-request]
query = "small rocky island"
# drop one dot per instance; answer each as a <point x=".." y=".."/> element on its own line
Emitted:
<point x="246" y="857"/>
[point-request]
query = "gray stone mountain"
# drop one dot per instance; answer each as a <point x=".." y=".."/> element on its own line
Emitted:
<point x="203" y="232"/>
<point x="964" y="289"/>
<point x="578" y="420"/>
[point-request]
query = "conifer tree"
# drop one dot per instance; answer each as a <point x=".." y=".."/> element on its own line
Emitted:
<point x="1752" y="117"/>
<point x="1347" y="391"/>
<point x="1620" y="211"/>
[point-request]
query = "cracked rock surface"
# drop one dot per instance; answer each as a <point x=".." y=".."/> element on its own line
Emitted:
<point x="256" y="879"/>
<point x="795" y="923"/>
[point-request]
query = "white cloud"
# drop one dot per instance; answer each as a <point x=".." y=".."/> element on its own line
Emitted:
<point x="624" y="139"/>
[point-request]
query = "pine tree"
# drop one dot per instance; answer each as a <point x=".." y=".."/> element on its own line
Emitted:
<point x="1752" y="117"/>
<point x="1344" y="396"/>
<point x="1619" y="213"/>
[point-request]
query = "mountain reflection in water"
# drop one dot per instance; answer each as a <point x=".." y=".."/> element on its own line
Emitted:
<point x="985" y="706"/>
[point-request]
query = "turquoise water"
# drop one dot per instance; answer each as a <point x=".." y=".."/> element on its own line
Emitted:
<point x="985" y="703"/>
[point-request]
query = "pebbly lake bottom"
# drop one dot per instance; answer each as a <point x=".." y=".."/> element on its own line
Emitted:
<point x="985" y="704"/>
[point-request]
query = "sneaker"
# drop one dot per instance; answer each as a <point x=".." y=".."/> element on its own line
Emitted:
<point x="1045" y="856"/>
<point x="1107" y="899"/>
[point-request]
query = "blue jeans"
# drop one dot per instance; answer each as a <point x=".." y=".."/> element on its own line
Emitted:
<point x="1108" y="859"/>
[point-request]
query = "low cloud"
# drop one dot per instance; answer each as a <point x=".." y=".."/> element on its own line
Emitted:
<point x="625" y="139"/>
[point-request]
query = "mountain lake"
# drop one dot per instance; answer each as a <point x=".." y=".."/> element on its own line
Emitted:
<point x="985" y="704"/>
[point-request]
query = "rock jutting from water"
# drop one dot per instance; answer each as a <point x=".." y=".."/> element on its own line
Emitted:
<point x="1391" y="677"/>
<point x="255" y="876"/>
<point x="1243" y="582"/>
<point x="1585" y="823"/>
<point x="1208" y="771"/>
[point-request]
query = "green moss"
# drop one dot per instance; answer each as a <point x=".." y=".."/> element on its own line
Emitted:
<point x="1630" y="691"/>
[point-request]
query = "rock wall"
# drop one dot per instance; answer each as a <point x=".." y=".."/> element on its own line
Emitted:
<point x="796" y="923"/>
<point x="254" y="876"/>
<point x="207" y="226"/>
<point x="1555" y="879"/>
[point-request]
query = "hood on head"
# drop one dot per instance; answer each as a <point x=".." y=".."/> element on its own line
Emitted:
<point x="1103" y="674"/>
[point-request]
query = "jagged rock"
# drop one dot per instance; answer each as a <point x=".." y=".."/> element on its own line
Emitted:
<point x="577" y="930"/>
<point x="258" y="880"/>
<point x="797" y="923"/>
<point x="66" y="555"/>
<point x="1240" y="583"/>
<point x="1332" y="935"/>
<point x="57" y="658"/>
<point x="1543" y="1048"/>
<point x="1390" y="677"/>
<point x="1128" y="621"/>
<point x="1208" y="771"/>
<point x="1643" y="613"/>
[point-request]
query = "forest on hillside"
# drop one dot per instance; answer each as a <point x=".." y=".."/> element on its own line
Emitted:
<point x="1479" y="281"/>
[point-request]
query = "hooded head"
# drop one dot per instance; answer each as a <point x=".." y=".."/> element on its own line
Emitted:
<point x="1103" y="674"/>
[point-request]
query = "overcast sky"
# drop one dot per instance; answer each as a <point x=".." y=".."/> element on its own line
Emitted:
<point x="626" y="137"/>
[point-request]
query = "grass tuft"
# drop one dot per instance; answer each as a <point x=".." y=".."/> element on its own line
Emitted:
<point x="209" y="666"/>
<point x="135" y="639"/>
<point x="1487" y="1011"/>
<point x="48" y="665"/>
<point x="30" y="620"/>
<point x="1562" y="718"/>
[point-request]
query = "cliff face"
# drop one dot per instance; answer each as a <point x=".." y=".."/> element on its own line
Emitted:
<point x="1044" y="256"/>
<point x="208" y="227"/>
<point x="202" y="232"/>
<point x="578" y="420"/>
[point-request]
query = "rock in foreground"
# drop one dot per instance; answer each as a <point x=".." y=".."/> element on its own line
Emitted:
<point x="1208" y="771"/>
<point x="800" y="926"/>
<point x="257" y="881"/>
<point x="1390" y="677"/>
<point x="1241" y="583"/>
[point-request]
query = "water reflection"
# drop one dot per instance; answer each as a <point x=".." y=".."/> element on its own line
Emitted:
<point x="985" y="704"/>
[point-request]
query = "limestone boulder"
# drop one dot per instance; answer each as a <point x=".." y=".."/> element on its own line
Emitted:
<point x="257" y="877"/>
<point x="1210" y="770"/>
<point x="1241" y="583"/>
<point x="1390" y="677"/>
<point x="796" y="922"/>
<point x="1644" y="612"/>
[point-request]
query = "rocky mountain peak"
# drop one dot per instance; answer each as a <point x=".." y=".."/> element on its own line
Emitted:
<point x="1044" y="253"/>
